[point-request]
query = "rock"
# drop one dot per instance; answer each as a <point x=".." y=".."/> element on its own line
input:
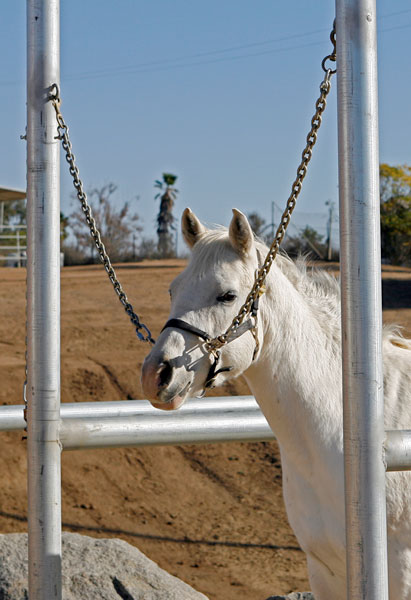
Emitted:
<point x="294" y="596"/>
<point x="96" y="569"/>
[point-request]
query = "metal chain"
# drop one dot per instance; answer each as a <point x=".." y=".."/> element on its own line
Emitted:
<point x="258" y="288"/>
<point x="142" y="331"/>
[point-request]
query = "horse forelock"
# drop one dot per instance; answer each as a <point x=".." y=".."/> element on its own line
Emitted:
<point x="213" y="250"/>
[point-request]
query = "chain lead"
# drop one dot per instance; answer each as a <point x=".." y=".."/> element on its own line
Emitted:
<point x="261" y="275"/>
<point x="142" y="331"/>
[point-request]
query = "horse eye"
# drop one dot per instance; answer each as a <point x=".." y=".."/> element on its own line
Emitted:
<point x="169" y="292"/>
<point x="227" y="297"/>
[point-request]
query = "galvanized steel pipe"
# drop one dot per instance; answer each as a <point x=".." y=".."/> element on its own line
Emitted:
<point x="361" y="299"/>
<point x="398" y="450"/>
<point x="43" y="303"/>
<point x="164" y="429"/>
<point x="12" y="417"/>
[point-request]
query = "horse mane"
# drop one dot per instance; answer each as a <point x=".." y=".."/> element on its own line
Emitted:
<point x="320" y="290"/>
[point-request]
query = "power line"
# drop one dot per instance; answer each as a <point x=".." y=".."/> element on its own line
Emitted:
<point x="163" y="62"/>
<point x="166" y="63"/>
<point x="140" y="69"/>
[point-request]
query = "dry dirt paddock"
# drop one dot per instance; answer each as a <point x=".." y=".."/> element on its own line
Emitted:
<point x="213" y="515"/>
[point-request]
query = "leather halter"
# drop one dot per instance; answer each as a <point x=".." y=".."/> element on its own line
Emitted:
<point x="246" y="326"/>
<point x="213" y="371"/>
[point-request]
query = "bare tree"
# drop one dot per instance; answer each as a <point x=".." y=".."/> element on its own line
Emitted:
<point x="116" y="226"/>
<point x="307" y="242"/>
<point x="165" y="217"/>
<point x="257" y="223"/>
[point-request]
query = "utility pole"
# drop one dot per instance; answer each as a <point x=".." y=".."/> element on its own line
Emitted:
<point x="331" y="206"/>
<point x="272" y="220"/>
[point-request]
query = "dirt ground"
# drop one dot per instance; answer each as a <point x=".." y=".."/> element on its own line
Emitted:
<point x="212" y="515"/>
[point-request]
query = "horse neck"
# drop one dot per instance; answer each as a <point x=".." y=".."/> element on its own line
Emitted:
<point x="297" y="377"/>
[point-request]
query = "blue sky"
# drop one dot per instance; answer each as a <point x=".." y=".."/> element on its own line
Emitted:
<point x="219" y="93"/>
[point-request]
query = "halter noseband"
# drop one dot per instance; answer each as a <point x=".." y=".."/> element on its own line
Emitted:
<point x="213" y="371"/>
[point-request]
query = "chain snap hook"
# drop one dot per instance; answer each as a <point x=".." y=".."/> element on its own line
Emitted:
<point x="326" y="69"/>
<point x="333" y="56"/>
<point x="54" y="93"/>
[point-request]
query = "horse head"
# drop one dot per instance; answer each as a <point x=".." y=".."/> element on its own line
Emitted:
<point x="205" y="298"/>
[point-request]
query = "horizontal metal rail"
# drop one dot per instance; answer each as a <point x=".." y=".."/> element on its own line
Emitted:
<point x="22" y="248"/>
<point x="12" y="417"/>
<point x="165" y="429"/>
<point x="13" y="227"/>
<point x="398" y="450"/>
<point x="199" y="421"/>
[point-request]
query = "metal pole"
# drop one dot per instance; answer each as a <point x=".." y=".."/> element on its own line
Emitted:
<point x="43" y="309"/>
<point x="361" y="300"/>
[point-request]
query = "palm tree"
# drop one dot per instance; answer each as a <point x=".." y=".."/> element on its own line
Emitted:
<point x="165" y="218"/>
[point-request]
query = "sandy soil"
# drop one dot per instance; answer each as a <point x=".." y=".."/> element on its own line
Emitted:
<point x="212" y="515"/>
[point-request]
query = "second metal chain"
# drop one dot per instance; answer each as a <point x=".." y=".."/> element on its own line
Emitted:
<point x="142" y="331"/>
<point x="258" y="287"/>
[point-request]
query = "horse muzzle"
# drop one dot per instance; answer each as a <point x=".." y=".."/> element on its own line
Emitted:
<point x="165" y="385"/>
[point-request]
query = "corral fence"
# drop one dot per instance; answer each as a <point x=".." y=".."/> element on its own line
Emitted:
<point x="13" y="245"/>
<point x="13" y="237"/>
<point x="52" y="428"/>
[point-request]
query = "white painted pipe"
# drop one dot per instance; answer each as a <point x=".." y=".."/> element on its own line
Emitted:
<point x="361" y="300"/>
<point x="43" y="303"/>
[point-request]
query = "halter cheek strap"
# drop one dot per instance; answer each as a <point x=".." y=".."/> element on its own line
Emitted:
<point x="180" y="324"/>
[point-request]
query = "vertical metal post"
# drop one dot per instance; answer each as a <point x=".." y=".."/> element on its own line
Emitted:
<point x="43" y="297"/>
<point x="361" y="300"/>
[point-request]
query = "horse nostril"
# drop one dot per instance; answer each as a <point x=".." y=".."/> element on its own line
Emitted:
<point x="164" y="374"/>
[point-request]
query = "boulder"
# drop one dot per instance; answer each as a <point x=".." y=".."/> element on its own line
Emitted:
<point x="96" y="569"/>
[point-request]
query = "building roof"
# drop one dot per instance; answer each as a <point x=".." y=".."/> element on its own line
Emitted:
<point x="8" y="194"/>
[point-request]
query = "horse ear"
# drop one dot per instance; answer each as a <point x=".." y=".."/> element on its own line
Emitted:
<point x="191" y="227"/>
<point x="240" y="233"/>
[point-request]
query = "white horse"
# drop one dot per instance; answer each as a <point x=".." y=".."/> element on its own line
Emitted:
<point x="296" y="379"/>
